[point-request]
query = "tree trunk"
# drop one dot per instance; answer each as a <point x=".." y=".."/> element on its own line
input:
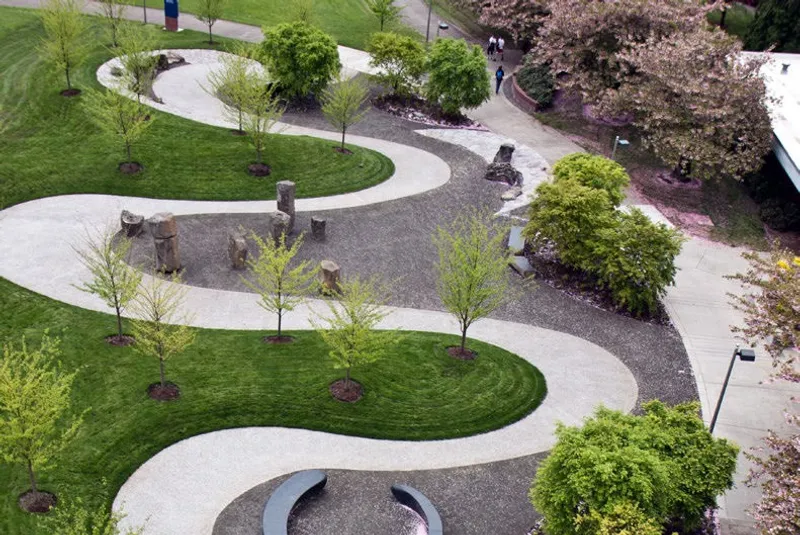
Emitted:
<point x="258" y="155"/>
<point x="463" y="339"/>
<point x="381" y="23"/>
<point x="69" y="83"/>
<point x="343" y="131"/>
<point x="119" y="324"/>
<point x="32" y="477"/>
<point x="347" y="376"/>
<point x="210" y="37"/>
<point x="722" y="17"/>
<point x="280" y="317"/>
<point x="128" y="149"/>
<point x="161" y="369"/>
<point x="240" y="119"/>
<point x="144" y="10"/>
<point x="683" y="170"/>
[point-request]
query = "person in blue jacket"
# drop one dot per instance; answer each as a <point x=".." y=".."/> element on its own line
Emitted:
<point x="499" y="77"/>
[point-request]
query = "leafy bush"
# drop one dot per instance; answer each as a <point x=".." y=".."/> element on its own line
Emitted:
<point x="537" y="80"/>
<point x="780" y="214"/>
<point x="400" y="61"/>
<point x="665" y="461"/>
<point x="636" y="260"/>
<point x="302" y="59"/>
<point x="595" y="172"/>
<point x="457" y="75"/>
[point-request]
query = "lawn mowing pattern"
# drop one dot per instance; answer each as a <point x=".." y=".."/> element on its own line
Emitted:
<point x="232" y="379"/>
<point x="50" y="148"/>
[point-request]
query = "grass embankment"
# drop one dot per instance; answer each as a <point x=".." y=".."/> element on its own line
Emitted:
<point x="232" y="379"/>
<point x="49" y="147"/>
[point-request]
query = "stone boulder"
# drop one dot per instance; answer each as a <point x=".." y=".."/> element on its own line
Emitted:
<point x="505" y="153"/>
<point x="164" y="229"/>
<point x="503" y="172"/>
<point x="329" y="274"/>
<point x="511" y="193"/>
<point x="132" y="224"/>
<point x="286" y="193"/>
<point x="237" y="250"/>
<point x="318" y="229"/>
<point x="279" y="224"/>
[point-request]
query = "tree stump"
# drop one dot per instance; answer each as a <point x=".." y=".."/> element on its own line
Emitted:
<point x="330" y="274"/>
<point x="318" y="228"/>
<point x="131" y="224"/>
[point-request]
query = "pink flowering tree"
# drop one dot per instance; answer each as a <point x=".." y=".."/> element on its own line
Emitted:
<point x="688" y="96"/>
<point x="520" y="18"/>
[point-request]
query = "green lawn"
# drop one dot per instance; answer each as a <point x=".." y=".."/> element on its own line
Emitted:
<point x="348" y="21"/>
<point x="232" y="379"/>
<point x="50" y="148"/>
<point x="737" y="21"/>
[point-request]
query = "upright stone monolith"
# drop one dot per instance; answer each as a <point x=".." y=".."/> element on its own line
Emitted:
<point x="279" y="224"/>
<point x="318" y="229"/>
<point x="329" y="274"/>
<point x="286" y="194"/>
<point x="164" y="229"/>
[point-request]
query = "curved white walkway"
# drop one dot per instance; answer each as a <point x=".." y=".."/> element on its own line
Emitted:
<point x="184" y="91"/>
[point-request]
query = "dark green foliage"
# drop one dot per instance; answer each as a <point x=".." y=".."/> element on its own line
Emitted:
<point x="537" y="80"/>
<point x="780" y="214"/>
<point x="665" y="463"/>
<point x="301" y="58"/>
<point x="596" y="172"/>
<point x="457" y="75"/>
<point x="777" y="23"/>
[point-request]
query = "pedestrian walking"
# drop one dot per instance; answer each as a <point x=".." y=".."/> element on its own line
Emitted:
<point x="498" y="75"/>
<point x="501" y="43"/>
<point x="492" y="46"/>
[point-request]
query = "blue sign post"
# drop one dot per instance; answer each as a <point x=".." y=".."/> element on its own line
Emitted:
<point x="171" y="15"/>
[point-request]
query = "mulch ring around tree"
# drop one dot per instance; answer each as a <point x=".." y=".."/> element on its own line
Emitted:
<point x="168" y="392"/>
<point x="457" y="353"/>
<point x="275" y="339"/>
<point x="70" y="92"/>
<point x="130" y="168"/>
<point x="340" y="150"/>
<point x="347" y="392"/>
<point x="421" y="111"/>
<point x="37" y="501"/>
<point x="238" y="133"/>
<point x="120" y="341"/>
<point x="258" y="169"/>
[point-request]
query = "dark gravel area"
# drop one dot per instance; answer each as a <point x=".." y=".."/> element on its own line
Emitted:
<point x="472" y="500"/>
<point x="393" y="239"/>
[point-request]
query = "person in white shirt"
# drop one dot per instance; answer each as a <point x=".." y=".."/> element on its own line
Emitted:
<point x="492" y="46"/>
<point x="501" y="43"/>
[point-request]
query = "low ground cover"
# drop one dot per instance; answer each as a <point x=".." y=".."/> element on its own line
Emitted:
<point x="49" y="146"/>
<point x="232" y="379"/>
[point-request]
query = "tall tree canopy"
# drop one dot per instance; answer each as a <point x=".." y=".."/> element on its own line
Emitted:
<point x="777" y="23"/>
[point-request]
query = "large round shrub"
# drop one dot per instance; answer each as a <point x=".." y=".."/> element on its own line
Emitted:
<point x="457" y="75"/>
<point x="399" y="60"/>
<point x="596" y="172"/>
<point x="302" y="59"/>
<point x="537" y="80"/>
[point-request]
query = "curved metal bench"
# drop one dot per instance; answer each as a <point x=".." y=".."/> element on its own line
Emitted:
<point x="286" y="496"/>
<point x="411" y="497"/>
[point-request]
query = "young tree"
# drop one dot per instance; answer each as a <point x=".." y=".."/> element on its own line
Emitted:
<point x="349" y="327"/>
<point x="281" y="286"/>
<point x="457" y="75"/>
<point x="302" y="59"/>
<point x="399" y="61"/>
<point x="34" y="406"/>
<point x="778" y="476"/>
<point x="113" y="280"/>
<point x="262" y="110"/>
<point x="114" y="12"/>
<point x="584" y="38"/>
<point x="63" y="45"/>
<point x="687" y="97"/>
<point x="385" y="11"/>
<point x="161" y="329"/>
<point x="344" y="104"/>
<point x="119" y="118"/>
<point x="136" y="45"/>
<point x="596" y="172"/>
<point x="229" y="83"/>
<point x="663" y="467"/>
<point x="472" y="270"/>
<point x="776" y="24"/>
<point x="208" y="12"/>
<point x="771" y="307"/>
<point x="74" y="517"/>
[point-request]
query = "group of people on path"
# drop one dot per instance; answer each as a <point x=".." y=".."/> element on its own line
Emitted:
<point x="496" y="46"/>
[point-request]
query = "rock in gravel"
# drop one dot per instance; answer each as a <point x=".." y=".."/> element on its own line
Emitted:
<point x="521" y="265"/>
<point x="503" y="172"/>
<point x="286" y="193"/>
<point x="237" y="250"/>
<point x="164" y="229"/>
<point x="132" y="224"/>
<point x="505" y="153"/>
<point x="279" y="224"/>
<point x="330" y="274"/>
<point x="162" y="225"/>
<point x="318" y="228"/>
<point x="511" y="194"/>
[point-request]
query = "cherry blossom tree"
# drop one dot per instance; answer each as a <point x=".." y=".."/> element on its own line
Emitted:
<point x="521" y="18"/>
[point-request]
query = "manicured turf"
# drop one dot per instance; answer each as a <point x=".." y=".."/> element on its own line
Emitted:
<point x="50" y="148"/>
<point x="231" y="379"/>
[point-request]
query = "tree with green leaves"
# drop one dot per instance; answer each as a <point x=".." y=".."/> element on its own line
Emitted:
<point x="349" y="325"/>
<point x="63" y="46"/>
<point x="472" y="269"/>
<point x="457" y="75"/>
<point x="114" y="13"/>
<point x="303" y="11"/>
<point x="113" y="280"/>
<point x="230" y="82"/>
<point x="209" y="12"/>
<point x="74" y="517"/>
<point x="262" y="111"/>
<point x="345" y="104"/>
<point x="161" y="327"/>
<point x="281" y="285"/>
<point x="385" y="11"/>
<point x="594" y="171"/>
<point x="120" y="118"/>
<point x="776" y="24"/>
<point x="399" y="61"/>
<point x="35" y="421"/>
<point x="136" y="46"/>
<point x="301" y="58"/>
<point x="662" y="467"/>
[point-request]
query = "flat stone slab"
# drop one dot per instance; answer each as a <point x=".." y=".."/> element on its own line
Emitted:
<point x="521" y="265"/>
<point x="515" y="241"/>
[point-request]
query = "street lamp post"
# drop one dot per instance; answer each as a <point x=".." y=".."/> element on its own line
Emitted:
<point x="747" y="355"/>
<point x="618" y="141"/>
<point x="428" y="28"/>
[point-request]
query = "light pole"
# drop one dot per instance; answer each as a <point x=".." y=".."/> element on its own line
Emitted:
<point x="442" y="26"/>
<point x="618" y="141"/>
<point x="428" y="28"/>
<point x="747" y="355"/>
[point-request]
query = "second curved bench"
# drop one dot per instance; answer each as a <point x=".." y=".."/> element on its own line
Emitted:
<point x="286" y="496"/>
